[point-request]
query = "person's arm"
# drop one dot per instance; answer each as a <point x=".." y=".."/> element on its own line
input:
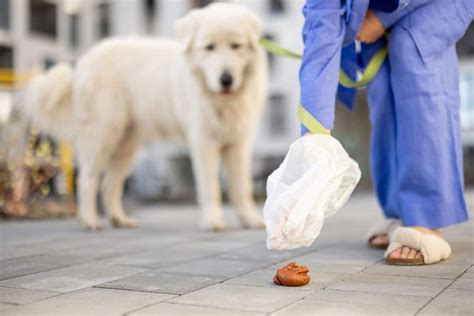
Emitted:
<point x="323" y="34"/>
<point x="405" y="7"/>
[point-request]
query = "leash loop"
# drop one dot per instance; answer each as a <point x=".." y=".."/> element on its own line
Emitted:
<point x="367" y="76"/>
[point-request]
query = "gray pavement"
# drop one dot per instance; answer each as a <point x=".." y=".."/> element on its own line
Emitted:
<point x="167" y="266"/>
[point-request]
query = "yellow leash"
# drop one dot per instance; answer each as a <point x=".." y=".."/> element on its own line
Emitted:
<point x="368" y="75"/>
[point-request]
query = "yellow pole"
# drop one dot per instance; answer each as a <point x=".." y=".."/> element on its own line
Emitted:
<point x="67" y="165"/>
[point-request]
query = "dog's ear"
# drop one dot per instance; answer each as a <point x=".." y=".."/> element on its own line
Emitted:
<point x="186" y="28"/>
<point x="253" y="27"/>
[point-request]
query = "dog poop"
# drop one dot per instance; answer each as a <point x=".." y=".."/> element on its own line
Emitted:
<point x="292" y="275"/>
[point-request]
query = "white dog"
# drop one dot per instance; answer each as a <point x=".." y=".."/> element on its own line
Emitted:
<point x="207" y="90"/>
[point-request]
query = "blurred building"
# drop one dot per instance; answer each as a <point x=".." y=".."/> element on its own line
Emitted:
<point x="40" y="33"/>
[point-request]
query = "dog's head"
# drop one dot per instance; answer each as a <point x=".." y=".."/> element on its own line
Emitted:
<point x="220" y="43"/>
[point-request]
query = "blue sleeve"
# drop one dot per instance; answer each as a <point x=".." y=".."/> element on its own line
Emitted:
<point x="323" y="34"/>
<point x="405" y="7"/>
<point x="469" y="5"/>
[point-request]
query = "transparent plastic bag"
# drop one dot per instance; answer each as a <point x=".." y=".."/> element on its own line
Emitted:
<point x="314" y="181"/>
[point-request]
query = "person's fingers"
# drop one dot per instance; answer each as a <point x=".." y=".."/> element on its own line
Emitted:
<point x="405" y="252"/>
<point x="419" y="255"/>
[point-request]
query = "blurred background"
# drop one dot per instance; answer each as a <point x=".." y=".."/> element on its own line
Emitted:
<point x="37" y="173"/>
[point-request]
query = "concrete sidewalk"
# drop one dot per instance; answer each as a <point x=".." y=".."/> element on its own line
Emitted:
<point x="167" y="266"/>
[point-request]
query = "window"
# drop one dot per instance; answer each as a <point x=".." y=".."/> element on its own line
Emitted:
<point x="74" y="30"/>
<point x="277" y="115"/>
<point x="150" y="9"/>
<point x="6" y="57"/>
<point x="48" y="62"/>
<point x="103" y="20"/>
<point x="5" y="14"/>
<point x="276" y="6"/>
<point x="43" y="17"/>
<point x="201" y="3"/>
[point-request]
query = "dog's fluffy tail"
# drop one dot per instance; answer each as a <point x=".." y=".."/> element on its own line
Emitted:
<point x="48" y="101"/>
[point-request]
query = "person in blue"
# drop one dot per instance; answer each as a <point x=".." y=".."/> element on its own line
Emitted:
<point x="416" y="150"/>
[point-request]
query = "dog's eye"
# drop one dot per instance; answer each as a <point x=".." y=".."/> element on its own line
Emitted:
<point x="235" y="46"/>
<point x="210" y="47"/>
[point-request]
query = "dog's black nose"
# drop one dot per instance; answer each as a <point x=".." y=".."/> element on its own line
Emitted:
<point x="226" y="80"/>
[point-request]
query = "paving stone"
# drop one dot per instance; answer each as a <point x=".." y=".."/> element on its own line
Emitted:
<point x="18" y="252"/>
<point x="6" y="306"/>
<point x="22" y="296"/>
<point x="462" y="250"/>
<point x="355" y="254"/>
<point x="264" y="277"/>
<point x="216" y="245"/>
<point x="465" y="282"/>
<point x="216" y="267"/>
<point x="378" y="278"/>
<point x="313" y="307"/>
<point x="314" y="263"/>
<point x="260" y="253"/>
<point x="412" y="303"/>
<point x="388" y="284"/>
<point x="439" y="271"/>
<point x="162" y="282"/>
<point x="124" y="266"/>
<point x="242" y="297"/>
<point x="159" y="258"/>
<point x="71" y="278"/>
<point x="18" y="267"/>
<point x="451" y="302"/>
<point x="180" y="309"/>
<point x="92" y="301"/>
<point x="256" y="236"/>
<point x="53" y="259"/>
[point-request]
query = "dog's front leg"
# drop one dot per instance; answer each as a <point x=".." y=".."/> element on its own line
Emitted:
<point x="237" y="162"/>
<point x="206" y="161"/>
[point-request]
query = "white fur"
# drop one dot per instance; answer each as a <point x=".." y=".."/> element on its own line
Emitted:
<point x="383" y="227"/>
<point x="128" y="91"/>
<point x="432" y="248"/>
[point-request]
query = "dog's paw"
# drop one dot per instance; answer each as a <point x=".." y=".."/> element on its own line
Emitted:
<point x="92" y="225"/>
<point x="251" y="220"/>
<point x="124" y="222"/>
<point x="212" y="225"/>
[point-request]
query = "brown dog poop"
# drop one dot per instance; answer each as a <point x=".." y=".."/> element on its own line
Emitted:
<point x="292" y="275"/>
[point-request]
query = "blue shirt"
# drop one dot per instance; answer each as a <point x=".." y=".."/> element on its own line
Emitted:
<point x="329" y="32"/>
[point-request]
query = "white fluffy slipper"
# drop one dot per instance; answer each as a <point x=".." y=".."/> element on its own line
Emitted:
<point x="384" y="227"/>
<point x="432" y="248"/>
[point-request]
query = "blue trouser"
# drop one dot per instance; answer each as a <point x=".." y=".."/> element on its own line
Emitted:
<point x="416" y="150"/>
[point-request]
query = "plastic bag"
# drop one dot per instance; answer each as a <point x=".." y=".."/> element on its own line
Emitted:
<point x="314" y="181"/>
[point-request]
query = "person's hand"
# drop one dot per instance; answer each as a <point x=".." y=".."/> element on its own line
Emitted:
<point x="371" y="30"/>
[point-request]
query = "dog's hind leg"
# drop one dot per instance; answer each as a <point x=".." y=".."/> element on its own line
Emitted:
<point x="90" y="168"/>
<point x="237" y="164"/>
<point x="117" y="171"/>
<point x="102" y="121"/>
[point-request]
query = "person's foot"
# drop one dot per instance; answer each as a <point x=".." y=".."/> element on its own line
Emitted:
<point x="409" y="253"/>
<point x="380" y="241"/>
<point x="378" y="234"/>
